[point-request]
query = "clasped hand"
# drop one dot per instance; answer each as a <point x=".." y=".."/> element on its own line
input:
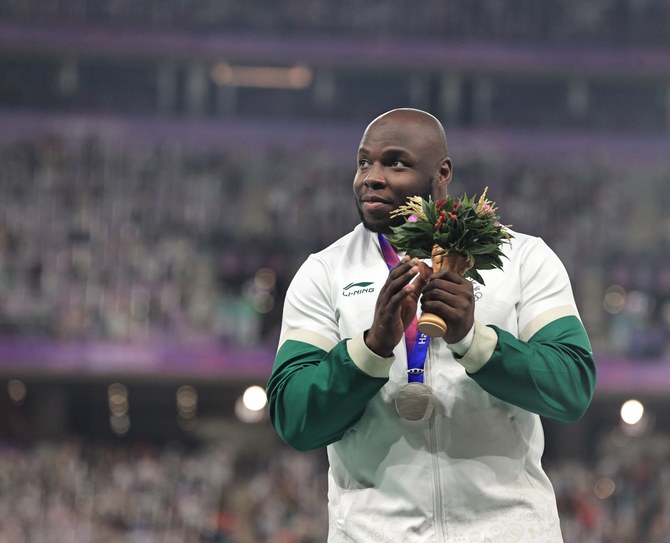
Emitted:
<point x="444" y="293"/>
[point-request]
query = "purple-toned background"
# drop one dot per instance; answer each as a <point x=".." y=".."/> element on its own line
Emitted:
<point x="216" y="361"/>
<point x="95" y="357"/>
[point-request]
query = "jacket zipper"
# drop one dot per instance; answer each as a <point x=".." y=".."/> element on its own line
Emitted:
<point x="438" y="501"/>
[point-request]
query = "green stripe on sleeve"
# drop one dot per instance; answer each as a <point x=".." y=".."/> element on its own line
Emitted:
<point x="315" y="395"/>
<point x="552" y="374"/>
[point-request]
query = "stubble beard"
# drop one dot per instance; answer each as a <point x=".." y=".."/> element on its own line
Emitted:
<point x="385" y="228"/>
<point x="378" y="227"/>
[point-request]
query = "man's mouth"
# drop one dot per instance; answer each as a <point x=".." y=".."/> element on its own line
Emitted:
<point x="374" y="203"/>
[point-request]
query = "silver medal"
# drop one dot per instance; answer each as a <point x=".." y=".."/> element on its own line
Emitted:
<point x="415" y="402"/>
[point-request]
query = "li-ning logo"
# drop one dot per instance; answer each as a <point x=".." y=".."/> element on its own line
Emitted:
<point x="357" y="288"/>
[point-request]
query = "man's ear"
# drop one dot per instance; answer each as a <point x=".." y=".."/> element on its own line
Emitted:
<point x="443" y="177"/>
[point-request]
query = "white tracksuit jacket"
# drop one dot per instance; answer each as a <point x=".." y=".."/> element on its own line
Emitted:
<point x="473" y="472"/>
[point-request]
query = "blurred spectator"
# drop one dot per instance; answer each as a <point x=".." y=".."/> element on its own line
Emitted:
<point x="102" y="240"/>
<point x="81" y="491"/>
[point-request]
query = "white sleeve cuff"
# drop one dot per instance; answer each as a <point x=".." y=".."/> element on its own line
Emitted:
<point x="461" y="347"/>
<point x="481" y="349"/>
<point x="367" y="361"/>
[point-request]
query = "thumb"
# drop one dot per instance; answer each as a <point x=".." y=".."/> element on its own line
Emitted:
<point x="425" y="270"/>
<point x="420" y="280"/>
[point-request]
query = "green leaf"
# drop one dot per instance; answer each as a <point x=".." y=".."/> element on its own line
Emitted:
<point x="473" y="274"/>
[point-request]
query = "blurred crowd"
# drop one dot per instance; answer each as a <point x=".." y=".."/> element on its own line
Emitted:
<point x="538" y="21"/>
<point x="101" y="240"/>
<point x="82" y="492"/>
<point x="140" y="244"/>
<point x="621" y="496"/>
<point x="110" y="493"/>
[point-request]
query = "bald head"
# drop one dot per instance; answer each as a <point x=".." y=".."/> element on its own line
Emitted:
<point x="432" y="133"/>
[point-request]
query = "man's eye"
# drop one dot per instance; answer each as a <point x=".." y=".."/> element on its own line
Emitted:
<point x="362" y="163"/>
<point x="398" y="164"/>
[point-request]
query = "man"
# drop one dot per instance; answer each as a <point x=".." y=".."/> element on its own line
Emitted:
<point x="515" y="349"/>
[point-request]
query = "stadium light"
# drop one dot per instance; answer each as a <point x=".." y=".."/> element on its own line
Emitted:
<point x="117" y="399"/>
<point x="250" y="407"/>
<point x="271" y="77"/>
<point x="254" y="398"/>
<point x="16" y="389"/>
<point x="632" y="412"/>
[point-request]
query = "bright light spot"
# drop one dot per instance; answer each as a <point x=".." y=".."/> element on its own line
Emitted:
<point x="632" y="412"/>
<point x="120" y="425"/>
<point x="604" y="488"/>
<point x="250" y="406"/>
<point x="187" y="401"/>
<point x="614" y="299"/>
<point x="637" y="303"/>
<point x="294" y="77"/>
<point x="254" y="398"/>
<point x="247" y="415"/>
<point x="117" y="398"/>
<point x="263" y="302"/>
<point x="261" y="298"/>
<point x="17" y="391"/>
<point x="117" y="388"/>
<point x="265" y="279"/>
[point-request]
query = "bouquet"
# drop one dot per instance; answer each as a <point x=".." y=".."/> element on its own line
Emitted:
<point x="461" y="234"/>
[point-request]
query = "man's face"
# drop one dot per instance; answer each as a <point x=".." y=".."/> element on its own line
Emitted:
<point x="395" y="162"/>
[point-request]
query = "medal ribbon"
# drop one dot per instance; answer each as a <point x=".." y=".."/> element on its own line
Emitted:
<point x="416" y="343"/>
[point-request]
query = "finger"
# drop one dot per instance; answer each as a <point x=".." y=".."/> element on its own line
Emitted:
<point x="403" y="265"/>
<point x="451" y="297"/>
<point x="416" y="285"/>
<point x="441" y="292"/>
<point x="446" y="311"/>
<point x="401" y="275"/>
<point x="448" y="276"/>
<point x="435" y="286"/>
<point x="425" y="270"/>
<point x="393" y="293"/>
<point x="396" y="299"/>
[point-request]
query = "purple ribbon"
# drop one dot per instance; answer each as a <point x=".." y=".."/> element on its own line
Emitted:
<point x="416" y="342"/>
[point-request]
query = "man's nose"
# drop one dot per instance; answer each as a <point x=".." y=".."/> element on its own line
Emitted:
<point x="375" y="178"/>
